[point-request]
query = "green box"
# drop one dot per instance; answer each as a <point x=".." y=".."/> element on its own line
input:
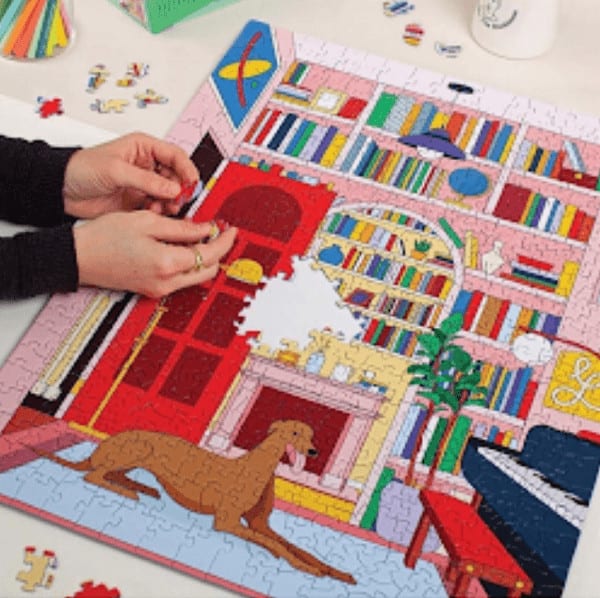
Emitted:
<point x="157" y="15"/>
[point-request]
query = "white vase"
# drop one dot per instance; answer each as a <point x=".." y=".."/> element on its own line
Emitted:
<point x="515" y="28"/>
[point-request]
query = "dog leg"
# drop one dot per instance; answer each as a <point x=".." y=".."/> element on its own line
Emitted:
<point x="227" y="524"/>
<point x="97" y="477"/>
<point x="258" y="520"/>
<point x="120" y="477"/>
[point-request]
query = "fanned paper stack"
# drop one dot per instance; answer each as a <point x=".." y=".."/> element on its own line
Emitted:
<point x="32" y="29"/>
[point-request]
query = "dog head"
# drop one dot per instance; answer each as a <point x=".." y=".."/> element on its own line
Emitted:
<point x="297" y="438"/>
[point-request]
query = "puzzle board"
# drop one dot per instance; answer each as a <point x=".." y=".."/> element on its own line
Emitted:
<point x="378" y="205"/>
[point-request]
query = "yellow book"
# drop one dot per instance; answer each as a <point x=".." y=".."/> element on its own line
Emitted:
<point x="290" y="71"/>
<point x="367" y="232"/>
<point x="354" y="259"/>
<point x="507" y="148"/>
<point x="333" y="151"/>
<point x="471" y="250"/>
<point x="466" y="136"/>
<point x="522" y="322"/>
<point x="436" y="315"/>
<point x="410" y="119"/>
<point x="567" y="279"/>
<point x="416" y="279"/>
<point x="567" y="221"/>
<point x="527" y="208"/>
<point x="498" y="388"/>
<point x="487" y="372"/>
<point x="415" y="164"/>
<point x="446" y="288"/>
<point x="357" y="231"/>
<point x="365" y="262"/>
<point x="529" y="158"/>
<point x="438" y="183"/>
<point x="541" y="167"/>
<point x="389" y="168"/>
<point x="507" y="437"/>
<point x="440" y="120"/>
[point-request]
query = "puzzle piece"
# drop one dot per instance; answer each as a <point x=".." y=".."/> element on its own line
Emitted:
<point x="37" y="575"/>
<point x="99" y="590"/>
<point x="49" y="107"/>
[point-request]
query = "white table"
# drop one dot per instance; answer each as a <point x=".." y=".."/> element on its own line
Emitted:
<point x="180" y="59"/>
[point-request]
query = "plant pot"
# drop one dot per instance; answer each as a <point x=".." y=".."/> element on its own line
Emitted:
<point x="399" y="512"/>
<point x="418" y="255"/>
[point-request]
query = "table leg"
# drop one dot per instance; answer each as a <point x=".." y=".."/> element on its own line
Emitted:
<point x="416" y="544"/>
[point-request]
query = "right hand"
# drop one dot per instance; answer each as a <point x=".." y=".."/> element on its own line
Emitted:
<point x="147" y="253"/>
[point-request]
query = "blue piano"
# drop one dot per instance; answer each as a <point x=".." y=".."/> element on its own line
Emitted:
<point x="536" y="500"/>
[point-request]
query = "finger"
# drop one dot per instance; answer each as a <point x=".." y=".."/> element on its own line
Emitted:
<point x="213" y="251"/>
<point x="192" y="277"/>
<point x="173" y="230"/>
<point x="172" y="156"/>
<point x="147" y="181"/>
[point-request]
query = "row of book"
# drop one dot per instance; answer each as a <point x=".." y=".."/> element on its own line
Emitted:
<point x="396" y="217"/>
<point x="523" y="206"/>
<point x="407" y="442"/>
<point x="378" y="332"/>
<point x="551" y="164"/>
<point x="476" y="135"/>
<point x="508" y="391"/>
<point x="367" y="159"/>
<point x="396" y="273"/>
<point x="265" y="166"/>
<point x="362" y="231"/>
<point x="500" y="319"/>
<point x="297" y="137"/>
<point x="347" y="107"/>
<point x="540" y="274"/>
<point x="413" y="312"/>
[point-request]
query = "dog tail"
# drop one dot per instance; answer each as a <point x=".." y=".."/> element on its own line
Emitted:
<point x="85" y="465"/>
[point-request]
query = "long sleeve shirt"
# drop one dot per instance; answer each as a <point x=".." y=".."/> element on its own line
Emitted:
<point x="31" y="183"/>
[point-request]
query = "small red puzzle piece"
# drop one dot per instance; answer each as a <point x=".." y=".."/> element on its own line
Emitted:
<point x="49" y="107"/>
<point x="89" y="590"/>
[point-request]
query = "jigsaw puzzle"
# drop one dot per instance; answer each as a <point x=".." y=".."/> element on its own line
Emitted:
<point x="391" y="388"/>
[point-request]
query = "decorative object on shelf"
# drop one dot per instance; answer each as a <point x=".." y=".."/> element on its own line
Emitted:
<point x="434" y="144"/>
<point x="245" y="270"/>
<point x="467" y="182"/>
<point x="492" y="260"/>
<point x="341" y="372"/>
<point x="421" y="247"/>
<point x="332" y="255"/>
<point x="515" y="28"/>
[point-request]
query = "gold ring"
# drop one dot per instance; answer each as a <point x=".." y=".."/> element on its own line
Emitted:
<point x="198" y="260"/>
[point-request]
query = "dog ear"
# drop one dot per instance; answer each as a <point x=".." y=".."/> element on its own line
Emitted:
<point x="274" y="427"/>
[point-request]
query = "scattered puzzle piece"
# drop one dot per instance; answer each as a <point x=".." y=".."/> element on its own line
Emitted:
<point x="105" y="106"/>
<point x="49" y="107"/>
<point x="91" y="590"/>
<point x="37" y="575"/>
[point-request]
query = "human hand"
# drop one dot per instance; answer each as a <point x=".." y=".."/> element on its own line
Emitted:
<point x="131" y="172"/>
<point x="147" y="253"/>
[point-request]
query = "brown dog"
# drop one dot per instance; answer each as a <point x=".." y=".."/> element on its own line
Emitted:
<point x="201" y="481"/>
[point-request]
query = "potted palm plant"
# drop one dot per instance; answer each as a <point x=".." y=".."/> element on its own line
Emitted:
<point x="421" y="247"/>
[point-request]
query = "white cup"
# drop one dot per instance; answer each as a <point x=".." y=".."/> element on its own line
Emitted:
<point x="515" y="28"/>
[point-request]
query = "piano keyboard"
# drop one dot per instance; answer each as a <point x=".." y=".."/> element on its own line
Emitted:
<point x="564" y="504"/>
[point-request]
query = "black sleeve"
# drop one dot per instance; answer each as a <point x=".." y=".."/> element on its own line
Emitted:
<point x="35" y="263"/>
<point x="31" y="182"/>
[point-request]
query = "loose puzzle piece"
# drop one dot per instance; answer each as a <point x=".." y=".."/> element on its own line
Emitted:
<point x="48" y="107"/>
<point x="37" y="575"/>
<point x="106" y="106"/>
<point x="91" y="590"/>
<point x="390" y="387"/>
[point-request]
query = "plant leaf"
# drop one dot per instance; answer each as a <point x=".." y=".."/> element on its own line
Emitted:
<point x="419" y="368"/>
<point x="430" y="343"/>
<point x="461" y="359"/>
<point x="476" y="402"/>
<point x="452" y="324"/>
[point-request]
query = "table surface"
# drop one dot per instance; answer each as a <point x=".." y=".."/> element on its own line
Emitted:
<point x="180" y="59"/>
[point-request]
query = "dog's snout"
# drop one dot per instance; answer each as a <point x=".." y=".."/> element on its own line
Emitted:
<point x="312" y="452"/>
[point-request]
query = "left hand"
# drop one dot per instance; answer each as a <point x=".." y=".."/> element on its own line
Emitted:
<point x="131" y="172"/>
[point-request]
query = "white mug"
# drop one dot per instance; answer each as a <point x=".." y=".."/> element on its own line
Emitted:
<point x="515" y="28"/>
